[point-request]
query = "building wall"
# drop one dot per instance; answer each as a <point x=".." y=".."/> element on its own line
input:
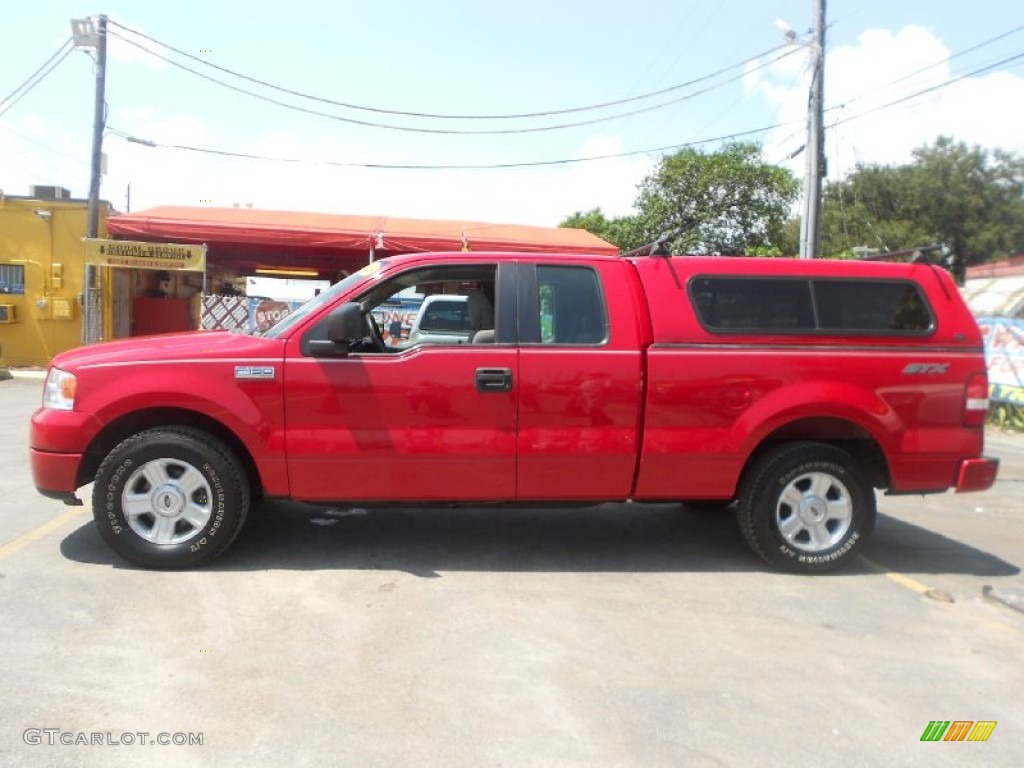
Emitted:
<point x="42" y="240"/>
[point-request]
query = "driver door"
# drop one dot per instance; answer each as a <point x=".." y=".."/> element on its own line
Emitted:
<point x="432" y="421"/>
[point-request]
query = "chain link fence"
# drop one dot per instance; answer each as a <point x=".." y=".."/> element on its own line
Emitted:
<point x="92" y="314"/>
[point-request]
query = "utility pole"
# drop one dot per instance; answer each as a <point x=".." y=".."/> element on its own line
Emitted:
<point x="98" y="121"/>
<point x="810" y="228"/>
<point x="88" y="36"/>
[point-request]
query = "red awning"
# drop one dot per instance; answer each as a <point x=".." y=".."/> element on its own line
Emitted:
<point x="246" y="239"/>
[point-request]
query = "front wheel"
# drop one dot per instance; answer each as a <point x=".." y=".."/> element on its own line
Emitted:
<point x="806" y="507"/>
<point x="170" y="497"/>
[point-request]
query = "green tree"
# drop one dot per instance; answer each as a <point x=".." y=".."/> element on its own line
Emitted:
<point x="618" y="231"/>
<point x="964" y="197"/>
<point x="730" y="201"/>
<point x="969" y="200"/>
<point x="871" y="209"/>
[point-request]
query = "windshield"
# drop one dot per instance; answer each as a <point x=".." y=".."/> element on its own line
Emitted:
<point x="326" y="297"/>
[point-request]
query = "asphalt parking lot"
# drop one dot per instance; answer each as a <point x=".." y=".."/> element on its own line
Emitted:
<point x="622" y="635"/>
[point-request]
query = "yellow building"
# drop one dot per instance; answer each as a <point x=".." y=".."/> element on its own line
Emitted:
<point x="42" y="273"/>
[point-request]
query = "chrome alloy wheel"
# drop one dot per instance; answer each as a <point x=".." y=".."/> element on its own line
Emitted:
<point x="167" y="501"/>
<point x="814" y="512"/>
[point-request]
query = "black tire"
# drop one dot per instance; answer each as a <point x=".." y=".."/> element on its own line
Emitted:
<point x="195" y="481"/>
<point x="806" y="507"/>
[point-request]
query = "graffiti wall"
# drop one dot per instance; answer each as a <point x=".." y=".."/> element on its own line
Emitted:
<point x="1004" y="354"/>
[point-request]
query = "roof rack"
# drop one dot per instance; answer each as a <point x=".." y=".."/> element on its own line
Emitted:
<point x="936" y="255"/>
<point x="659" y="247"/>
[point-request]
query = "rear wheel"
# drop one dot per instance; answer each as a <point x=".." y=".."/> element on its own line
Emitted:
<point x="806" y="507"/>
<point x="170" y="498"/>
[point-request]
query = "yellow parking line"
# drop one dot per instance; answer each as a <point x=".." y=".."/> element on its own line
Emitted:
<point x="34" y="535"/>
<point x="907" y="582"/>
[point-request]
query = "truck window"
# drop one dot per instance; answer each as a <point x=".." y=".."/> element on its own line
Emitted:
<point x="426" y="306"/>
<point x="800" y="304"/>
<point x="753" y="303"/>
<point x="891" y="306"/>
<point x="571" y="307"/>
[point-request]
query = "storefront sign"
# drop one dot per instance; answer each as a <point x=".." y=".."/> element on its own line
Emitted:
<point x="129" y="253"/>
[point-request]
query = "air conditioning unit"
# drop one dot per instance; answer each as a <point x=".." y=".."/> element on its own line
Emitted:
<point x="7" y="313"/>
<point x="46" y="192"/>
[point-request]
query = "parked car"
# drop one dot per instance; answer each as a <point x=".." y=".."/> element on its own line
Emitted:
<point x="442" y="319"/>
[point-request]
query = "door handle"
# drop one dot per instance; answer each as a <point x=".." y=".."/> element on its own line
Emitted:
<point x="493" y="379"/>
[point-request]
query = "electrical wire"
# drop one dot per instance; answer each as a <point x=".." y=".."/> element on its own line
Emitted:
<point x="957" y="55"/>
<point x="447" y="131"/>
<point x="50" y="149"/>
<point x="930" y="89"/>
<point x="939" y="63"/>
<point x="431" y="115"/>
<point x="36" y="77"/>
<point x="442" y="167"/>
<point x="564" y="161"/>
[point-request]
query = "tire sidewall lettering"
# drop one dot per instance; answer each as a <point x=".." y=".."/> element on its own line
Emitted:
<point x="761" y="494"/>
<point x="201" y="452"/>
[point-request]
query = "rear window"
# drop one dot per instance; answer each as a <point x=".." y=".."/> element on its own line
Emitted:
<point x="798" y="305"/>
<point x="753" y="304"/>
<point x="871" y="305"/>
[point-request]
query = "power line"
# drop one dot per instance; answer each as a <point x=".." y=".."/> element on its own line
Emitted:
<point x="945" y="60"/>
<point x="564" y="161"/>
<point x="36" y="77"/>
<point x="957" y="55"/>
<point x="899" y="80"/>
<point x="895" y="102"/>
<point x="403" y="113"/>
<point x="48" y="148"/>
<point x="449" y="131"/>
<point x="441" y="167"/>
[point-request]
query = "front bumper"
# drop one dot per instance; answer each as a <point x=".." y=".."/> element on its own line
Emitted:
<point x="55" y="474"/>
<point x="976" y="474"/>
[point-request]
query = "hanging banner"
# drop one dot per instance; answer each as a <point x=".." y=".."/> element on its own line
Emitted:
<point x="1004" y="353"/>
<point x="129" y="253"/>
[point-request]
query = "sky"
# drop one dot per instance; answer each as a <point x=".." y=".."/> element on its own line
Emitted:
<point x="897" y="75"/>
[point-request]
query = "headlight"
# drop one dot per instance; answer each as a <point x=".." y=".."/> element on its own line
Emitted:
<point x="59" y="391"/>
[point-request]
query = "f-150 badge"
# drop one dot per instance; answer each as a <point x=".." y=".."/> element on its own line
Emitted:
<point x="254" y="371"/>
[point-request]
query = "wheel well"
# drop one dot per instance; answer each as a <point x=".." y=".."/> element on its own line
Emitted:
<point x="845" y="435"/>
<point x="132" y="423"/>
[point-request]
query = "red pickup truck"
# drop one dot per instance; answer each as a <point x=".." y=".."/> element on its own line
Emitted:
<point x="792" y="388"/>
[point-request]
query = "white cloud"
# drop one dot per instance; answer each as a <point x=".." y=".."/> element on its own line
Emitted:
<point x="880" y="68"/>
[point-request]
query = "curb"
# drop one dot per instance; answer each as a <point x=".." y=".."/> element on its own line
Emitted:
<point x="23" y="373"/>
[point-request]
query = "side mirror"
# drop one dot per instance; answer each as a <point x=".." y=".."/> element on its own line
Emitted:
<point x="344" y="326"/>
